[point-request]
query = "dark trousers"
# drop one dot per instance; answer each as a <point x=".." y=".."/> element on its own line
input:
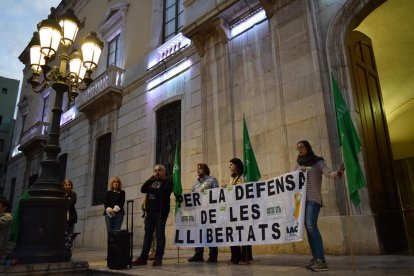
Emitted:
<point x="199" y="251"/>
<point x="69" y="235"/>
<point x="154" y="221"/>
<point x="241" y="253"/>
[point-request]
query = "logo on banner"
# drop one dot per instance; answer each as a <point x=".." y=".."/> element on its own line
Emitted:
<point x="292" y="228"/>
<point x="187" y="218"/>
<point x="296" y="200"/>
<point x="275" y="210"/>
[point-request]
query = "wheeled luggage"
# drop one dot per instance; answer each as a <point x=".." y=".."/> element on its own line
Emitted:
<point x="120" y="243"/>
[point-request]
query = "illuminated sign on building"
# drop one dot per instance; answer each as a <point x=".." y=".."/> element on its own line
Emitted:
<point x="68" y="116"/>
<point x="248" y="22"/>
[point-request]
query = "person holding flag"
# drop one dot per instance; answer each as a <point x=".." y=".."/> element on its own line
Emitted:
<point x="315" y="165"/>
<point x="239" y="254"/>
<point x="158" y="190"/>
<point x="240" y="173"/>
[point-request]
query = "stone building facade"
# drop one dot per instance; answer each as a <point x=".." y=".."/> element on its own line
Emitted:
<point x="153" y="87"/>
<point x="9" y="90"/>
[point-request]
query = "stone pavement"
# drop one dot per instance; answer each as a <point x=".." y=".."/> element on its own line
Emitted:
<point x="263" y="264"/>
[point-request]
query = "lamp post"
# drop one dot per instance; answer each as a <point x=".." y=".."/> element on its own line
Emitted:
<point x="43" y="214"/>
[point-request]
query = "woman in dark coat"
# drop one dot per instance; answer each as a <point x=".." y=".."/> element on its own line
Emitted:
<point x="239" y="254"/>
<point x="114" y="205"/>
<point x="72" y="216"/>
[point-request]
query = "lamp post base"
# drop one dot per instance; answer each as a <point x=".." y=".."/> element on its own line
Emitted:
<point x="41" y="234"/>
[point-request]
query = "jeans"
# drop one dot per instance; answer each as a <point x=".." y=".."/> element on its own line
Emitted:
<point x="114" y="223"/>
<point x="154" y="221"/>
<point x="314" y="236"/>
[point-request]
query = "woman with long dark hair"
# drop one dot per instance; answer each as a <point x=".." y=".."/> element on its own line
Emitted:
<point x="315" y="165"/>
<point x="239" y="254"/>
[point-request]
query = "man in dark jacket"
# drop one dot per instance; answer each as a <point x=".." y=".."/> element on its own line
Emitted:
<point x="158" y="190"/>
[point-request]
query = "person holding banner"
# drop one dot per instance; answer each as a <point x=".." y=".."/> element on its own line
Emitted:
<point x="158" y="189"/>
<point x="202" y="183"/>
<point x="315" y="165"/>
<point x="239" y="254"/>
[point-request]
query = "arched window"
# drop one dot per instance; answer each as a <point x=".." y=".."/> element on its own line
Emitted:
<point x="168" y="133"/>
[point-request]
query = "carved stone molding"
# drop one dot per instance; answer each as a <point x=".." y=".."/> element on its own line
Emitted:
<point x="218" y="20"/>
<point x="222" y="29"/>
<point x="188" y="3"/>
<point x="199" y="42"/>
<point x="268" y="6"/>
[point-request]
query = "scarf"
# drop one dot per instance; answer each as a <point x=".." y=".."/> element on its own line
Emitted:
<point x="308" y="160"/>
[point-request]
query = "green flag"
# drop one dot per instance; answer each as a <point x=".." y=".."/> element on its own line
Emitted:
<point x="15" y="226"/>
<point x="177" y="189"/>
<point x="351" y="145"/>
<point x="251" y="170"/>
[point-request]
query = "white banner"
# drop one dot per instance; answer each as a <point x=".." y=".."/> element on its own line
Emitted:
<point x="263" y="212"/>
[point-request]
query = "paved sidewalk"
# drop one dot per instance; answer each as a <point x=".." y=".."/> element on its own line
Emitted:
<point x="263" y="264"/>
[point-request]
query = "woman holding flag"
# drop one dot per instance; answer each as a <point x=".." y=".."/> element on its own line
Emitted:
<point x="315" y="165"/>
<point x="239" y="254"/>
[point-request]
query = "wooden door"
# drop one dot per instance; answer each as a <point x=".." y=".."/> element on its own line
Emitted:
<point x="381" y="182"/>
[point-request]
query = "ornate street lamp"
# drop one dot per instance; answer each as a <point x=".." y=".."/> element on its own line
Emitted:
<point x="43" y="214"/>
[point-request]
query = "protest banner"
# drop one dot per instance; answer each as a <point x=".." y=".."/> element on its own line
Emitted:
<point x="262" y="212"/>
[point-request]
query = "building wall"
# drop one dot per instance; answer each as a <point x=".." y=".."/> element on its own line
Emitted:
<point x="275" y="73"/>
<point x="9" y="89"/>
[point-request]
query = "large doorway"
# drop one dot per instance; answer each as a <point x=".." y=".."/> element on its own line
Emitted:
<point x="381" y="51"/>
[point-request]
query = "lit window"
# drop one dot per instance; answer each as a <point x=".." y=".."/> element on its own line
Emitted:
<point x="45" y="111"/>
<point x="173" y="18"/>
<point x="112" y="32"/>
<point x="113" y="51"/>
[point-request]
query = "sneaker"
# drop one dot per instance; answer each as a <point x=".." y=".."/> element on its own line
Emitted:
<point x="157" y="262"/>
<point x="139" y="261"/>
<point x="196" y="258"/>
<point x="311" y="262"/>
<point x="151" y="256"/>
<point x="319" y="266"/>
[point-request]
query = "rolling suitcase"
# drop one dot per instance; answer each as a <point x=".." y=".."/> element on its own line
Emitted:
<point x="120" y="243"/>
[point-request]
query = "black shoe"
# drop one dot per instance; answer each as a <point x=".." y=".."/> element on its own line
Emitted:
<point x="139" y="261"/>
<point x="157" y="262"/>
<point x="196" y="258"/>
<point x="211" y="260"/>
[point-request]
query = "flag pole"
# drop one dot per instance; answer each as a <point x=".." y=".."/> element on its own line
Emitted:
<point x="347" y="213"/>
<point x="177" y="188"/>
